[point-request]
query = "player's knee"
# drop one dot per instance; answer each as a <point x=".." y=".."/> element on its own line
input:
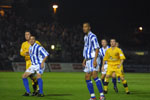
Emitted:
<point x="122" y="78"/>
<point x="38" y="76"/>
<point x="107" y="76"/>
<point x="24" y="76"/>
<point x="102" y="77"/>
<point x="87" y="77"/>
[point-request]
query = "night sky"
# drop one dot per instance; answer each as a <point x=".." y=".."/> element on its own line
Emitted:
<point x="109" y="16"/>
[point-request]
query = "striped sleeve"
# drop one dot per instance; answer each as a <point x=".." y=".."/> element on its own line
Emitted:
<point x="95" y="42"/>
<point x="43" y="52"/>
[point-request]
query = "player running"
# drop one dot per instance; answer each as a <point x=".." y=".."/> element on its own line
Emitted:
<point x="38" y="57"/>
<point x="115" y="58"/>
<point x="91" y="61"/>
<point x="25" y="53"/>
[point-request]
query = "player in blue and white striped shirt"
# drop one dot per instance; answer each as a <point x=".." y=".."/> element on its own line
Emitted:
<point x="38" y="56"/>
<point x="91" y="61"/>
<point x="102" y="54"/>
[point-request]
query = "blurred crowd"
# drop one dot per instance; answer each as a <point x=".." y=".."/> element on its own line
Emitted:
<point x="68" y="41"/>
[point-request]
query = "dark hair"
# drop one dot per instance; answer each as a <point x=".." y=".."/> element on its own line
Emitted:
<point x="87" y="23"/>
<point x="104" y="39"/>
<point x="113" y="39"/>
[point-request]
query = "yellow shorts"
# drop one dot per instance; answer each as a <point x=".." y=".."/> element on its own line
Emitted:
<point x="114" y="68"/>
<point x="121" y="71"/>
<point x="28" y="64"/>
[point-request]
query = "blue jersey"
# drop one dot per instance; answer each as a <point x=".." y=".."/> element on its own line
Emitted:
<point x="37" y="54"/>
<point x="90" y="44"/>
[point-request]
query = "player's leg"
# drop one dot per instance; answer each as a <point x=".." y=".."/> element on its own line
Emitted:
<point x="124" y="82"/>
<point x="90" y="85"/>
<point x="97" y="79"/>
<point x="98" y="84"/>
<point x="102" y="78"/>
<point x="40" y="83"/>
<point x="26" y="83"/>
<point x="106" y="81"/>
<point x="33" y="78"/>
<point x="114" y="80"/>
<point x="118" y="79"/>
<point x="104" y="73"/>
<point x="40" y="71"/>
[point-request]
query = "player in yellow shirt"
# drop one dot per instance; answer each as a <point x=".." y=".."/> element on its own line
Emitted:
<point x="25" y="53"/>
<point x="115" y="58"/>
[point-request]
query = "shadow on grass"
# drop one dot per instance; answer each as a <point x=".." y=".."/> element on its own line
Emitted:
<point x="58" y="95"/>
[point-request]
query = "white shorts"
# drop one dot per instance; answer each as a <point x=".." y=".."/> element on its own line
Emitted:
<point x="105" y="69"/>
<point x="89" y="65"/>
<point x="35" y="69"/>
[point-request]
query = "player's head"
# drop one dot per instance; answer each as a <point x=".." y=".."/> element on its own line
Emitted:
<point x="113" y="42"/>
<point x="32" y="40"/>
<point x="117" y="44"/>
<point x="104" y="42"/>
<point x="86" y="27"/>
<point x="27" y="35"/>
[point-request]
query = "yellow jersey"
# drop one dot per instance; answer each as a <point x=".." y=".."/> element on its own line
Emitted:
<point x="25" y="48"/>
<point x="114" y="56"/>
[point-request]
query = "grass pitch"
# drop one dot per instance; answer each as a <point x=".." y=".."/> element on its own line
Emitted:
<point x="72" y="86"/>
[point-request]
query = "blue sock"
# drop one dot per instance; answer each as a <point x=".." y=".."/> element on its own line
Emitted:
<point x="119" y="79"/>
<point x="99" y="85"/>
<point x="103" y="81"/>
<point x="114" y="82"/>
<point x="90" y="88"/>
<point x="40" y="83"/>
<point x="26" y="84"/>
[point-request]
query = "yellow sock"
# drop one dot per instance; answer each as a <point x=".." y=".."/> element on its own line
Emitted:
<point x="125" y="85"/>
<point x="106" y="84"/>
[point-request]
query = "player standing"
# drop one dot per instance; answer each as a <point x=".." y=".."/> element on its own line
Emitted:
<point x="38" y="57"/>
<point x="103" y="50"/>
<point x="91" y="61"/>
<point x="115" y="58"/>
<point x="25" y="53"/>
<point x="102" y="53"/>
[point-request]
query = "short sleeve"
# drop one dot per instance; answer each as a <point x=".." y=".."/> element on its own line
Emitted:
<point x="121" y="55"/>
<point x="43" y="52"/>
<point x="95" y="42"/>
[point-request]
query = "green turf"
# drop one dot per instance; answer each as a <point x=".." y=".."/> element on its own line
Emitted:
<point x="71" y="86"/>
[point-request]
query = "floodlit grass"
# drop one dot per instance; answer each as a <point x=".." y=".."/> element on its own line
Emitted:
<point x="72" y="86"/>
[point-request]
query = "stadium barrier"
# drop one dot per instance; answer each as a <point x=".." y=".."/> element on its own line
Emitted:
<point x="51" y="67"/>
<point x="76" y="67"/>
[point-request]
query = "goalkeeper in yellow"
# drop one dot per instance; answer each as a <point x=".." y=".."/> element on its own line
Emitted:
<point x="115" y="58"/>
<point x="25" y="53"/>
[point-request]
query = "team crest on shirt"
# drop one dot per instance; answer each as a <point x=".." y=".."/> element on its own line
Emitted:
<point x="116" y="54"/>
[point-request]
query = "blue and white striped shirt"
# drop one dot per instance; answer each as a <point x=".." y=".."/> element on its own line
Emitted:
<point x="90" y="44"/>
<point x="37" y="54"/>
<point x="102" y="51"/>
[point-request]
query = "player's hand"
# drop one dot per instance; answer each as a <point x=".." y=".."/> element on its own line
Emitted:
<point x="119" y="66"/>
<point x="27" y="54"/>
<point x="84" y="63"/>
<point x="42" y="65"/>
<point x="94" y="63"/>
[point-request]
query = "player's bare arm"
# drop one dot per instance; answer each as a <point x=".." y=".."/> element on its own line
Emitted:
<point x="84" y="63"/>
<point x="103" y="65"/>
<point x="121" y="62"/>
<point x="95" y="59"/>
<point x="42" y="64"/>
